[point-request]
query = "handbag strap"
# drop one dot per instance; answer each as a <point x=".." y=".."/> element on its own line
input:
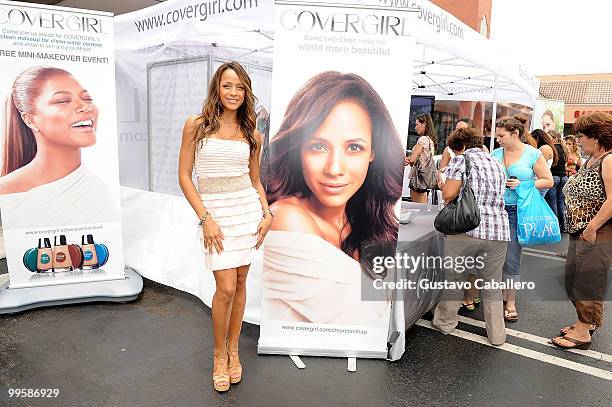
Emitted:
<point x="600" y="163"/>
<point x="431" y="151"/>
<point x="468" y="167"/>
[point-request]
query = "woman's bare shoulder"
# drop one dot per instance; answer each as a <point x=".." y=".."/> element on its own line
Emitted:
<point x="290" y="215"/>
<point x="606" y="164"/>
<point x="191" y="122"/>
<point x="14" y="182"/>
<point x="546" y="149"/>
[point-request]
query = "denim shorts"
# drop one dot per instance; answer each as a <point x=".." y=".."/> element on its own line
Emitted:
<point x="514" y="256"/>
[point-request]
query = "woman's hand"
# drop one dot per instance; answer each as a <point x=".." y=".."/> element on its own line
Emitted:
<point x="441" y="177"/>
<point x="512" y="183"/>
<point x="213" y="236"/>
<point x="262" y="230"/>
<point x="589" y="234"/>
<point x="406" y="161"/>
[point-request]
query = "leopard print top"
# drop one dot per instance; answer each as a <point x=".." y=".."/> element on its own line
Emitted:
<point x="584" y="196"/>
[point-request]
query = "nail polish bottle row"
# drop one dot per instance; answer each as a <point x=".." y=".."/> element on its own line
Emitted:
<point x="65" y="257"/>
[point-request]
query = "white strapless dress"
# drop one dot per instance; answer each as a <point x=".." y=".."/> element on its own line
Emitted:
<point x="222" y="170"/>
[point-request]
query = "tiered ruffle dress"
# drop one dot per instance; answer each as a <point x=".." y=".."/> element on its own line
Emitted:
<point x="222" y="170"/>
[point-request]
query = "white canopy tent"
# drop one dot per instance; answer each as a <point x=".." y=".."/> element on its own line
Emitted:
<point x="458" y="63"/>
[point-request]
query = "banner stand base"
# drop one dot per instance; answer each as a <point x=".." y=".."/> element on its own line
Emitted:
<point x="334" y="353"/>
<point x="20" y="299"/>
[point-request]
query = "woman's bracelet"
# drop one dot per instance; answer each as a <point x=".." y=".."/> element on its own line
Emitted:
<point x="267" y="211"/>
<point x="203" y="218"/>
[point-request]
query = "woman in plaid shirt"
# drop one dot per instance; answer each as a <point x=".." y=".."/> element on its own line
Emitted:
<point x="486" y="244"/>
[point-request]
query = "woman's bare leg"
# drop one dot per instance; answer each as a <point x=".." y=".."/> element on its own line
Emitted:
<point x="226" y="281"/>
<point x="238" y="305"/>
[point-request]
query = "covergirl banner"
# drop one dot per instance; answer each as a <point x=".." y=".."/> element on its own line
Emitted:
<point x="340" y="108"/>
<point x="59" y="183"/>
<point x="548" y="115"/>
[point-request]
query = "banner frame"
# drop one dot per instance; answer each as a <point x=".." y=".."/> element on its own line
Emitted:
<point x="123" y="287"/>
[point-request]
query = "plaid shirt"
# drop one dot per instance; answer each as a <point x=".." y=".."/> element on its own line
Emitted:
<point x="488" y="181"/>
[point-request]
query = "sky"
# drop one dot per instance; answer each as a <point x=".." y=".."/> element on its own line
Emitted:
<point x="555" y="36"/>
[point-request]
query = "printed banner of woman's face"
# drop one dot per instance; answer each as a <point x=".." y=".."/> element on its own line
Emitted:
<point x="338" y="156"/>
<point x="50" y="116"/>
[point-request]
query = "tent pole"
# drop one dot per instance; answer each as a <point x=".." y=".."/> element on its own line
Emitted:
<point x="493" y="115"/>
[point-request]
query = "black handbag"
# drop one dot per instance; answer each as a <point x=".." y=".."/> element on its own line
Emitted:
<point x="462" y="213"/>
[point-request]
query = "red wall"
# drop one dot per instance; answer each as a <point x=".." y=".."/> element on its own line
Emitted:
<point x="468" y="11"/>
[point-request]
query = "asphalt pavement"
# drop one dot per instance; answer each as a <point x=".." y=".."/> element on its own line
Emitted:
<point x="157" y="351"/>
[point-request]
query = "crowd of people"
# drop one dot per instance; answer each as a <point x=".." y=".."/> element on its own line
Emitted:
<point x="575" y="191"/>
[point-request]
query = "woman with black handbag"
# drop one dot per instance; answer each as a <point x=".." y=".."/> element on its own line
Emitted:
<point x="423" y="171"/>
<point x="474" y="188"/>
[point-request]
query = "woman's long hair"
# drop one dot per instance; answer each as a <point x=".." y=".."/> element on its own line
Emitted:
<point x="542" y="138"/>
<point x="429" y="128"/>
<point x="370" y="211"/>
<point x="207" y="123"/>
<point x="528" y="139"/>
<point x="19" y="140"/>
<point x="557" y="139"/>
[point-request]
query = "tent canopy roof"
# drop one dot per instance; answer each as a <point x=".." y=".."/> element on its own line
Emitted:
<point x="454" y="62"/>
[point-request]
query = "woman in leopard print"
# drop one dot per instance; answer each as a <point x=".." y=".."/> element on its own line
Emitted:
<point x="588" y="198"/>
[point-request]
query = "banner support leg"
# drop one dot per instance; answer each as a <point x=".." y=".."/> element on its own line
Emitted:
<point x="297" y="361"/>
<point x="352" y="365"/>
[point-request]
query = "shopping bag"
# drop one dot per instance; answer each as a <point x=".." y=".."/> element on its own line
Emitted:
<point x="537" y="223"/>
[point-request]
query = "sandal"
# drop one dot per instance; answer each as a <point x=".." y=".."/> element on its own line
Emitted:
<point x="469" y="306"/>
<point x="510" y="315"/>
<point x="221" y="381"/>
<point x="565" y="330"/>
<point x="235" y="369"/>
<point x="577" y="344"/>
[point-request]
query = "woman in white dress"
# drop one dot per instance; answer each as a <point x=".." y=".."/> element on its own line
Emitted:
<point x="223" y="147"/>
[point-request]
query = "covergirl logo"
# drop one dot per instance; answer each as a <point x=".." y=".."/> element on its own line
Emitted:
<point x="306" y="20"/>
<point x="39" y="19"/>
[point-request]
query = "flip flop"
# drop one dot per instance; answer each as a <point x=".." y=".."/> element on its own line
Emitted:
<point x="577" y="344"/>
<point x="510" y="315"/>
<point x="565" y="330"/>
<point x="469" y="306"/>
